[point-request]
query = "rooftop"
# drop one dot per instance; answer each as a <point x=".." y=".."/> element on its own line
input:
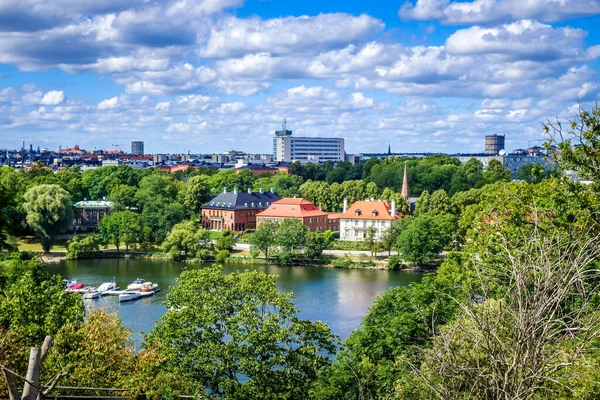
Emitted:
<point x="242" y="200"/>
<point x="93" y="204"/>
<point x="373" y="210"/>
<point x="292" y="208"/>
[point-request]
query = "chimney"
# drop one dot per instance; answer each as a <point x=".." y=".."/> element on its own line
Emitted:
<point x="225" y="190"/>
<point x="262" y="191"/>
<point x="235" y="191"/>
<point x="393" y="210"/>
<point x="345" y="204"/>
<point x="249" y="190"/>
<point x="272" y="190"/>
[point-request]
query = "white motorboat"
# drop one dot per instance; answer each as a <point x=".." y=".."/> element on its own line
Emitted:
<point x="69" y="283"/>
<point x="108" y="286"/>
<point x="92" y="294"/>
<point x="129" y="296"/>
<point x="137" y="284"/>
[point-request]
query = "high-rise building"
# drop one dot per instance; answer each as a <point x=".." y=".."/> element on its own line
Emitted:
<point x="493" y="144"/>
<point x="137" y="148"/>
<point x="306" y="149"/>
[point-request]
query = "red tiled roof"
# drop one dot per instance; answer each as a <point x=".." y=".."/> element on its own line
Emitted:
<point x="292" y="208"/>
<point x="366" y="209"/>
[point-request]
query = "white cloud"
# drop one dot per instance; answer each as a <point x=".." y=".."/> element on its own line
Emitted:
<point x="489" y="11"/>
<point x="109" y="104"/>
<point x="53" y="98"/>
<point x="236" y="37"/>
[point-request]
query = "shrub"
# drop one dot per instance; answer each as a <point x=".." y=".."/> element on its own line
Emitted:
<point x="395" y="263"/>
<point x="222" y="256"/>
<point x="86" y="247"/>
<point x="285" y="258"/>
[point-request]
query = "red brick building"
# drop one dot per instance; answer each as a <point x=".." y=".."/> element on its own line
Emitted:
<point x="235" y="210"/>
<point x="298" y="208"/>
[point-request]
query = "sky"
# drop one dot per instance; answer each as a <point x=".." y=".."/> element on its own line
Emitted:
<point x="209" y="76"/>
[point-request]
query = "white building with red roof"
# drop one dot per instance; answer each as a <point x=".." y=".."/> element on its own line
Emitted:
<point x="356" y="220"/>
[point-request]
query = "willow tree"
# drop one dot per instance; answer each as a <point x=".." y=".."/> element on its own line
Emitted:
<point x="49" y="212"/>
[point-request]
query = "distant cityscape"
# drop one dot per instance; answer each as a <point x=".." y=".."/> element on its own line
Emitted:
<point x="286" y="150"/>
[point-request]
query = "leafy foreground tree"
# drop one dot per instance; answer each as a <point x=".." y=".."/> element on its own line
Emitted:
<point x="238" y="338"/>
<point x="534" y="333"/>
<point x="33" y="304"/>
<point x="49" y="212"/>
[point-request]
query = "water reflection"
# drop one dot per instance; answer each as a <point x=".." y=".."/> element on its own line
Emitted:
<point x="338" y="297"/>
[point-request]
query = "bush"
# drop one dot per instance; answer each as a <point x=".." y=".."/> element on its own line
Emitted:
<point x="222" y="256"/>
<point x="254" y="253"/>
<point x="395" y="263"/>
<point x="86" y="247"/>
<point x="285" y="258"/>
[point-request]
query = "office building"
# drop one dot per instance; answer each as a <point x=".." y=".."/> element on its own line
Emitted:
<point x="494" y="144"/>
<point x="287" y="148"/>
<point x="137" y="148"/>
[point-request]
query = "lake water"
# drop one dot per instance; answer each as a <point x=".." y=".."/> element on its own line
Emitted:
<point x="338" y="297"/>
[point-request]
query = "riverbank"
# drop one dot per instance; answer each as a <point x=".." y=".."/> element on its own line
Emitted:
<point x="346" y="261"/>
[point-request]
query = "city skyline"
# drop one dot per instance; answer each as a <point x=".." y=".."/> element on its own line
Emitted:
<point x="206" y="76"/>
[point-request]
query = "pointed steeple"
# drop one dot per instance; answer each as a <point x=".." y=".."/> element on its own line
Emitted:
<point x="405" y="184"/>
<point x="389" y="149"/>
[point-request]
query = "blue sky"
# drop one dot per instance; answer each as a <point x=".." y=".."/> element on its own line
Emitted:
<point x="214" y="75"/>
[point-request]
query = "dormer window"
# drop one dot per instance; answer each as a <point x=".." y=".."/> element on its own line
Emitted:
<point x="245" y="204"/>
<point x="375" y="213"/>
<point x="357" y="213"/>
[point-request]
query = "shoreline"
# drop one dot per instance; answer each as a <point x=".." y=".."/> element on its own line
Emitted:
<point x="58" y="257"/>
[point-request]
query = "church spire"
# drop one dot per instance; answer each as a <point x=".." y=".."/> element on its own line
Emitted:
<point x="389" y="149"/>
<point x="405" y="184"/>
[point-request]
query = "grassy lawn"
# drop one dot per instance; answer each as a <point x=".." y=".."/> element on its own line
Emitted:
<point x="30" y="244"/>
<point x="214" y="235"/>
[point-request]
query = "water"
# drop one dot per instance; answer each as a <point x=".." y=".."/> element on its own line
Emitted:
<point x="338" y="297"/>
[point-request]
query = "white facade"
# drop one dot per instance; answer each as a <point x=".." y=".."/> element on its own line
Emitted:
<point x="356" y="229"/>
<point x="287" y="148"/>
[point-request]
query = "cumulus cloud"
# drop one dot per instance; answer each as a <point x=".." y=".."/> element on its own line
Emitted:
<point x="109" y="104"/>
<point x="236" y="37"/>
<point x="53" y="98"/>
<point x="490" y="11"/>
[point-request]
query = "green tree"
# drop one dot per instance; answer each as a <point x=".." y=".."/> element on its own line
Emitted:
<point x="34" y="304"/>
<point x="291" y="234"/>
<point x="131" y="228"/>
<point x="401" y="322"/>
<point x="225" y="241"/>
<point x="239" y="338"/>
<point x="496" y="172"/>
<point x="197" y="193"/>
<point x="264" y="237"/>
<point x="577" y="143"/>
<point x="187" y="239"/>
<point x="97" y="353"/>
<point x="423" y="239"/>
<point x="389" y="237"/>
<point x="370" y="243"/>
<point x="110" y="229"/>
<point x="314" y="246"/>
<point x="49" y="212"/>
<point x="83" y="247"/>
<point x="123" y="196"/>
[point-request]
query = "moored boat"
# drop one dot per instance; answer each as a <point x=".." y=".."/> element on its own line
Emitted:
<point x="108" y="286"/>
<point x="76" y="287"/>
<point x="92" y="294"/>
<point x="129" y="296"/>
<point x="137" y="284"/>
